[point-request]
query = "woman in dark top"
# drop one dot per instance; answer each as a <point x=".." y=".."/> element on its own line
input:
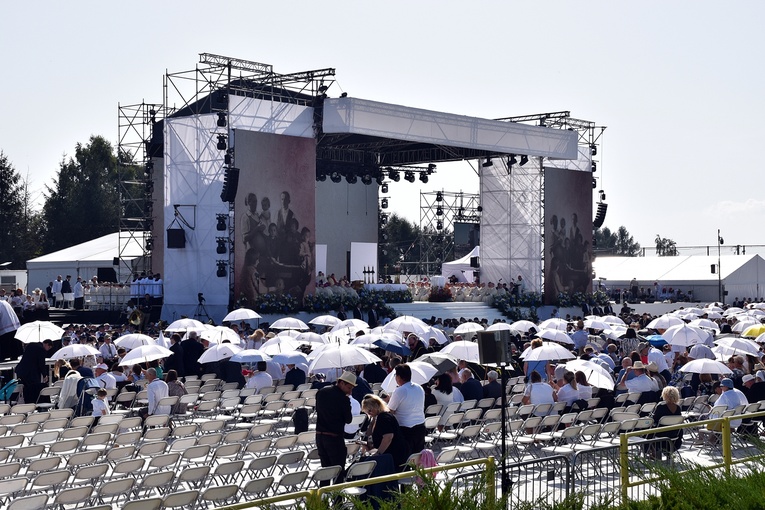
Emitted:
<point x="669" y="407"/>
<point x="384" y="431"/>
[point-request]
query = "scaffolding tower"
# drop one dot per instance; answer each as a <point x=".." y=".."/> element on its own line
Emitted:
<point x="439" y="211"/>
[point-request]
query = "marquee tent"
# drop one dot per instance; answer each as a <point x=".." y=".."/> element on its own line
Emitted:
<point x="460" y="268"/>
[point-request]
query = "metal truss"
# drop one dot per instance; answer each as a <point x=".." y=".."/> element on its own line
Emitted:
<point x="439" y="211"/>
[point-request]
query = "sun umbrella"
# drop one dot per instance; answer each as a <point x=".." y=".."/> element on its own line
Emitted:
<point x="735" y="346"/>
<point x="555" y="335"/>
<point x="500" y="326"/>
<point x="162" y="340"/>
<point x="664" y="322"/>
<point x="595" y="324"/>
<point x="554" y="323"/>
<point x="407" y="324"/>
<point x="310" y="337"/>
<point x="421" y="374"/>
<point x="612" y="319"/>
<point x="352" y="324"/>
<point x="133" y="340"/>
<point x="442" y="361"/>
<point x="218" y="334"/>
<point x="596" y="375"/>
<point x="291" y="333"/>
<point x="324" y="320"/>
<point x="744" y="324"/>
<point x="706" y="366"/>
<point x="750" y="332"/>
<point x="467" y="328"/>
<point x="523" y="326"/>
<point x="656" y="340"/>
<point x="289" y="323"/>
<point x="684" y="335"/>
<point x="279" y="344"/>
<point x="548" y="351"/>
<point x="250" y="356"/>
<point x="733" y="310"/>
<point x="144" y="354"/>
<point x="705" y="323"/>
<point x="712" y="307"/>
<point x="343" y="355"/>
<point x="393" y="345"/>
<point x="38" y="331"/>
<point x="219" y="352"/>
<point x="615" y="332"/>
<point x="242" y="314"/>
<point x="185" y="324"/>
<point x="463" y="349"/>
<point x="76" y="351"/>
<point x="437" y="334"/>
<point x="290" y="358"/>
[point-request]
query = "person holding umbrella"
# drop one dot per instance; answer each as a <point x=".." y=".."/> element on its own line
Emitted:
<point x="333" y="412"/>
<point x="32" y="370"/>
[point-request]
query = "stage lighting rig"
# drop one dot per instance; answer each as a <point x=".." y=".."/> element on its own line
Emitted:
<point x="439" y="225"/>
<point x="384" y="203"/>
<point x="593" y="150"/>
<point x="221" y="143"/>
<point x="393" y="175"/>
<point x="221" y="272"/>
<point x="487" y="163"/>
<point x="366" y="179"/>
<point x="384" y="187"/>
<point x="149" y="167"/>
<point x="351" y="178"/>
<point x="511" y="160"/>
<point x="424" y="178"/>
<point x="227" y="159"/>
<point x="321" y="177"/>
<point x="379" y="178"/>
<point x="336" y="177"/>
<point x="221" y="225"/>
<point x="221" y="122"/>
<point x="594" y="166"/>
<point x="439" y="211"/>
<point x="409" y="176"/>
<point x="524" y="159"/>
<point x="439" y="196"/>
<point x="221" y="248"/>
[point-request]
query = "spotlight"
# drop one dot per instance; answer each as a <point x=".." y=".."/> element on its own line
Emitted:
<point x="479" y="208"/>
<point x="487" y="163"/>
<point x="409" y="176"/>
<point x="221" y="273"/>
<point x="439" y="211"/>
<point x="424" y="178"/>
<point x="149" y="243"/>
<point x="221" y="142"/>
<point x="431" y="168"/>
<point x="227" y="158"/>
<point x="383" y="219"/>
<point x="439" y="197"/>
<point x="524" y="159"/>
<point x="602" y="194"/>
<point x="366" y="179"/>
<point x="351" y="178"/>
<point x="148" y="207"/>
<point x="384" y="236"/>
<point x="593" y="150"/>
<point x="149" y="167"/>
<point x="439" y="225"/>
<point x="336" y="177"/>
<point x="594" y="166"/>
<point x="594" y="183"/>
<point x="511" y="160"/>
<point x="384" y="187"/>
<point x="384" y="203"/>
<point x="221" y="119"/>
<point x="221" y="248"/>
<point x="149" y="187"/>
<point x="321" y="177"/>
<point x="393" y="175"/>
<point x="221" y="226"/>
<point x="344" y="94"/>
<point x="323" y="89"/>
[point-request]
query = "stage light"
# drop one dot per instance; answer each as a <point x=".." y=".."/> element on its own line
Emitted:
<point x="227" y="158"/>
<point x="149" y="187"/>
<point x="384" y="203"/>
<point x="149" y="243"/>
<point x="479" y="208"/>
<point x="487" y="163"/>
<point x="323" y="89"/>
<point x="594" y="183"/>
<point x="351" y="178"/>
<point x="439" y="197"/>
<point x="221" y="248"/>
<point x="221" y="273"/>
<point x="344" y="94"/>
<point x="524" y="159"/>
<point x="384" y="187"/>
<point x="439" y="211"/>
<point x="336" y="177"/>
<point x="439" y="225"/>
<point x="409" y="176"/>
<point x="221" y="119"/>
<point x="153" y="115"/>
<point x="221" y="142"/>
<point x="511" y="161"/>
<point x="221" y="226"/>
<point x="321" y="177"/>
<point x="383" y="219"/>
<point x="424" y="178"/>
<point x="148" y="207"/>
<point x="384" y="236"/>
<point x="602" y="194"/>
<point x="594" y="166"/>
<point x="431" y="168"/>
<point x="593" y="150"/>
<point x="149" y="167"/>
<point x="366" y="179"/>
<point x="230" y="184"/>
<point x="393" y="175"/>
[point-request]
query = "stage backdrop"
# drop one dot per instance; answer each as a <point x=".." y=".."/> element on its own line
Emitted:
<point x="275" y="215"/>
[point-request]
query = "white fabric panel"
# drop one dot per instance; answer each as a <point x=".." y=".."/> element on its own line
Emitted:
<point x="583" y="162"/>
<point x="363" y="256"/>
<point x="460" y="267"/>
<point x="361" y="116"/>
<point x="270" y="117"/>
<point x="321" y="258"/>
<point x="193" y="176"/>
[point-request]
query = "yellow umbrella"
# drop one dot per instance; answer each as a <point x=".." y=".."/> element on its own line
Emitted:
<point x="754" y="331"/>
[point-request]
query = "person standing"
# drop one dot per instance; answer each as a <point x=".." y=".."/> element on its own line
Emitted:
<point x="66" y="290"/>
<point x="333" y="412"/>
<point x="407" y="403"/>
<point x="175" y="360"/>
<point x="156" y="390"/>
<point x="79" y="294"/>
<point x="32" y="369"/>
<point x="9" y="323"/>
<point x="58" y="295"/>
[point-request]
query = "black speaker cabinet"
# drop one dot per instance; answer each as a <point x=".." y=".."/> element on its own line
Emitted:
<point x="493" y="347"/>
<point x="176" y="238"/>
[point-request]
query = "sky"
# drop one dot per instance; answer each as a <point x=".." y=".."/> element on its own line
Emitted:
<point x="677" y="84"/>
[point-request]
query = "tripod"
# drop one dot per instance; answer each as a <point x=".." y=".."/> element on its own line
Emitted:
<point x="201" y="311"/>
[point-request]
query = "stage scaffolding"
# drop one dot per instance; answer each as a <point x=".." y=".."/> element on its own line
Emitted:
<point x="439" y="211"/>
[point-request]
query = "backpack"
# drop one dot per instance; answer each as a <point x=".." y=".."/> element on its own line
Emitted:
<point x="300" y="419"/>
<point x="86" y="392"/>
<point x="7" y="391"/>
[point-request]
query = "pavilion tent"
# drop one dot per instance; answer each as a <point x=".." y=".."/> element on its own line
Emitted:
<point x="460" y="268"/>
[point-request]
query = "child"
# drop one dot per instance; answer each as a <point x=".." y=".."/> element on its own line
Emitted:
<point x="100" y="407"/>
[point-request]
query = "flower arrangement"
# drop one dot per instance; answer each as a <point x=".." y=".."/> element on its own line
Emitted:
<point x="440" y="295"/>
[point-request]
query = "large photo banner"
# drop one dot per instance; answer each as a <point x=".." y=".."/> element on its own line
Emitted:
<point x="568" y="233"/>
<point x="275" y="215"/>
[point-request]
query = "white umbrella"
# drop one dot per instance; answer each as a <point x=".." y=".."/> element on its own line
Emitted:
<point x="421" y="374"/>
<point x="324" y="320"/>
<point x="219" y="352"/>
<point x="442" y="362"/>
<point x="555" y="335"/>
<point x="339" y="356"/>
<point x="684" y="335"/>
<point x="712" y="307"/>
<point x="75" y="351"/>
<point x="705" y="323"/>
<point x="735" y="346"/>
<point x="133" y="340"/>
<point x="407" y="324"/>
<point x="743" y="324"/>
<point x="289" y="323"/>
<point x="546" y="352"/>
<point x="290" y="358"/>
<point x="352" y="324"/>
<point x="242" y="314"/>
<point x="523" y="326"/>
<point x="706" y="366"/>
<point x="279" y="344"/>
<point x="554" y="323"/>
<point x="693" y="309"/>
<point x="711" y="314"/>
<point x="760" y="339"/>
<point x="595" y="373"/>
<point x="310" y="337"/>
<point x="161" y="340"/>
<point x="612" y="319"/>
<point x="218" y="334"/>
<point x="733" y="310"/>
<point x="185" y="324"/>
<point x="595" y="324"/>
<point x="500" y="326"/>
<point x="437" y="334"/>
<point x="144" y="354"/>
<point x="463" y="349"/>
<point x="665" y="322"/>
<point x="292" y="333"/>
<point x="468" y="327"/>
<point x="250" y="356"/>
<point x="38" y="331"/>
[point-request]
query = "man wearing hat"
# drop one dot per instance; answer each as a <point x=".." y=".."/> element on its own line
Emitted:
<point x="638" y="384"/>
<point x="651" y="354"/>
<point x="105" y="379"/>
<point x="333" y="412"/>
<point x="729" y="399"/>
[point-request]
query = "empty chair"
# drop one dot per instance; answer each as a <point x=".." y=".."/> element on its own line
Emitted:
<point x="36" y="502"/>
<point x="159" y="481"/>
<point x="144" y="504"/>
<point x="89" y="475"/>
<point x="73" y="496"/>
<point x="43" y="464"/>
<point x="184" y="499"/>
<point x="258" y="488"/>
<point x="261" y="465"/>
<point x="288" y="459"/>
<point x="228" y="472"/>
<point x="192" y="477"/>
<point x="114" y="490"/>
<point x="359" y="471"/>
<point x="49" y="481"/>
<point x="324" y="475"/>
<point x="218" y="496"/>
<point x="292" y="482"/>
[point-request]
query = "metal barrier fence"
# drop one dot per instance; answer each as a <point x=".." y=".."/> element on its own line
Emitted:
<point x="546" y="478"/>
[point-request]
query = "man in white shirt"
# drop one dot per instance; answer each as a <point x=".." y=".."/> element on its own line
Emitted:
<point x="105" y="379"/>
<point x="638" y="384"/>
<point x="108" y="350"/>
<point x="729" y="399"/>
<point x="79" y="294"/>
<point x="407" y="403"/>
<point x="156" y="390"/>
<point x="261" y="378"/>
<point x="57" y="292"/>
<point x="656" y="356"/>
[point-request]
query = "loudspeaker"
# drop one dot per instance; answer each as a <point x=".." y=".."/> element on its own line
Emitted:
<point x="176" y="238"/>
<point x="106" y="274"/>
<point x="116" y="261"/>
<point x="493" y="347"/>
<point x="474" y="262"/>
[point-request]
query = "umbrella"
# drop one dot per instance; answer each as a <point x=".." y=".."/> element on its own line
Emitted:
<point x="555" y="335"/>
<point x="185" y="325"/>
<point x="612" y="319"/>
<point x="279" y="344"/>
<point x="324" y="320"/>
<point x="615" y="332"/>
<point x="421" y="374"/>
<point x="290" y="358"/>
<point x="546" y="352"/>
<point x="353" y="324"/>
<point x="291" y="333"/>
<point x="219" y="352"/>
<point x="289" y="323"/>
<point x="443" y="362"/>
<point x="339" y="356"/>
<point x="468" y="327"/>
<point x="733" y="310"/>
<point x="595" y="374"/>
<point x="744" y="323"/>
<point x="751" y="331"/>
<point x="735" y="346"/>
<point x="250" y="356"/>
<point x="218" y="334"/>
<point x="683" y="335"/>
<point x="161" y="340"/>
<point x="133" y="340"/>
<point x="38" y="331"/>
<point x="463" y="349"/>
<point x="500" y="326"/>
<point x="712" y="307"/>
<point x="438" y="335"/>
<point x="554" y="323"/>
<point x="760" y="339"/>
<point x="656" y="340"/>
<point x="706" y="366"/>
<point x="75" y="351"/>
<point x="664" y="322"/>
<point x="705" y="323"/>
<point x="407" y="324"/>
<point x="311" y="338"/>
<point x="595" y="324"/>
<point x="242" y="314"/>
<point x="393" y="345"/>
<point x="523" y="326"/>
<point x="144" y="354"/>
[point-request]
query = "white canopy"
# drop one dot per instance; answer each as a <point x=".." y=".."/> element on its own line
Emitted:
<point x="460" y="268"/>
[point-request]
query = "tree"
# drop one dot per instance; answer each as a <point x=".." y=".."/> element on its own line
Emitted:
<point x="84" y="201"/>
<point x="665" y="247"/>
<point x="616" y="243"/>
<point x="399" y="241"/>
<point x="11" y="213"/>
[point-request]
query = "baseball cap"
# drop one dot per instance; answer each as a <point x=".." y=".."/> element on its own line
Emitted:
<point x="103" y="366"/>
<point x="747" y="378"/>
<point x="348" y="377"/>
<point x="728" y="383"/>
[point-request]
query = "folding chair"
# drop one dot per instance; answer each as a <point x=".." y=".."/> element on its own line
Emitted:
<point x="192" y="477"/>
<point x="219" y="496"/>
<point x="359" y="471"/>
<point x="292" y="482"/>
<point x="159" y="481"/>
<point x="185" y="499"/>
<point x="49" y="481"/>
<point x="73" y="496"/>
<point x="258" y="488"/>
<point x="37" y="502"/>
<point x="144" y="504"/>
<point x="114" y="490"/>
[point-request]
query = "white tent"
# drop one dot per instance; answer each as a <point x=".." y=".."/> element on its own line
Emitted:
<point x="84" y="260"/>
<point x="460" y="268"/>
<point x="742" y="276"/>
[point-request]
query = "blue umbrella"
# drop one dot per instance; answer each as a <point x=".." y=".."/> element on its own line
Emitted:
<point x="656" y="340"/>
<point x="393" y="346"/>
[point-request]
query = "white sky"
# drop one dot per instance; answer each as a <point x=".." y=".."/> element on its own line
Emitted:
<point x="679" y="84"/>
